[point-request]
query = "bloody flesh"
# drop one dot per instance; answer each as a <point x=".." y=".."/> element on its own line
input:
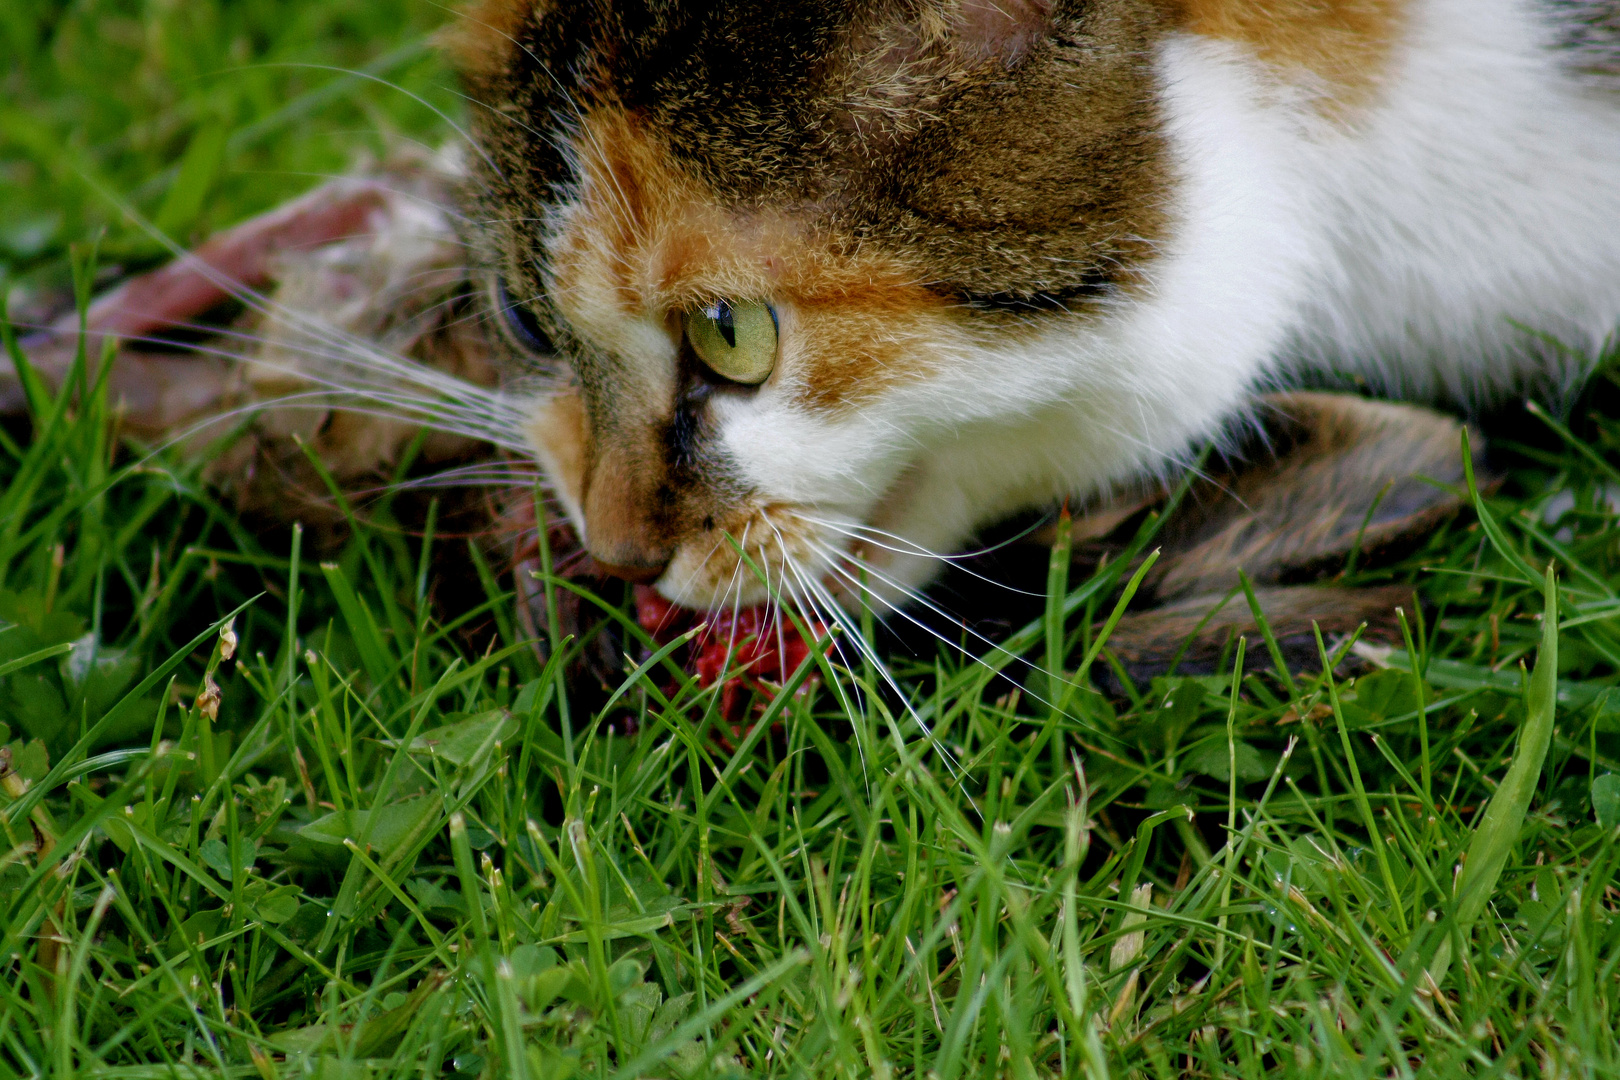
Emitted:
<point x="749" y="646"/>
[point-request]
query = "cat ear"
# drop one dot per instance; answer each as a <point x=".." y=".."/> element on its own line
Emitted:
<point x="1004" y="30"/>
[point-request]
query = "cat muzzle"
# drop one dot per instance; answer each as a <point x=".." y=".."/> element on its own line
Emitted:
<point x="637" y="574"/>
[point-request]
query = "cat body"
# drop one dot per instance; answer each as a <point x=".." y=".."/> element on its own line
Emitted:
<point x="1011" y="253"/>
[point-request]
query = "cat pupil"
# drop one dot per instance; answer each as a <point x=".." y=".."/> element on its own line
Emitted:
<point x="724" y="322"/>
<point x="525" y="327"/>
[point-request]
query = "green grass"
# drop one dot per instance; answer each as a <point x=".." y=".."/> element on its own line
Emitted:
<point x="195" y="113"/>
<point x="379" y="850"/>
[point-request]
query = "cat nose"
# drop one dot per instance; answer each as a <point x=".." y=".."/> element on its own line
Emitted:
<point x="620" y="504"/>
<point x="635" y="573"/>
<point x="623" y="549"/>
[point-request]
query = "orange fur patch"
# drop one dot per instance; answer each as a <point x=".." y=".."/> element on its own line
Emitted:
<point x="1346" y="44"/>
<point x="480" y="40"/>
<point x="559" y="430"/>
<point x="647" y="241"/>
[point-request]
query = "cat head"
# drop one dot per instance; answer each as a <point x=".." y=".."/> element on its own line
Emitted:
<point x="762" y="255"/>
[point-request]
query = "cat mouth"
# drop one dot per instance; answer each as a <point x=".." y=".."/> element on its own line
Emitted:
<point x="749" y="653"/>
<point x="759" y="642"/>
<point x="770" y="554"/>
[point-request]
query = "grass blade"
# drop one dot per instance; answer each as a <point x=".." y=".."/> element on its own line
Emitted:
<point x="1500" y="824"/>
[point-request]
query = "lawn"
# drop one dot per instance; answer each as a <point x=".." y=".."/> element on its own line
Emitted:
<point x="275" y="811"/>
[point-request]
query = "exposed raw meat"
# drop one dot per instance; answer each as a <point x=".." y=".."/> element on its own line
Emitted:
<point x="754" y="648"/>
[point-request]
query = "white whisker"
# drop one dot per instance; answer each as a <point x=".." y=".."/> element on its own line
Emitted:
<point x="918" y="550"/>
<point x="827" y="619"/>
<point x="852" y="630"/>
<point x="919" y="598"/>
<point x="455" y="478"/>
<point x="451" y="124"/>
<point x="467" y="409"/>
<point x="910" y="547"/>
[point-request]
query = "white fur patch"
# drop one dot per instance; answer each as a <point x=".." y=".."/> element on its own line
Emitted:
<point x="1477" y="204"/>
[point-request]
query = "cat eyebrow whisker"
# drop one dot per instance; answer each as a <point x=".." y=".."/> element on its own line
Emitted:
<point x="475" y="409"/>
<point x="451" y="405"/>
<point x="619" y="194"/>
<point x="509" y="118"/>
<point x="376" y="183"/>
<point x="431" y="412"/>
<point x="568" y="96"/>
<point x="419" y="99"/>
<point x="327" y="342"/>
<point x="181" y="435"/>
<point x="368" y="356"/>
<point x="466" y="16"/>
<point x="484" y="222"/>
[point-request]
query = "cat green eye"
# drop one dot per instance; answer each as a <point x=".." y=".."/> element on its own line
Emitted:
<point x="735" y="340"/>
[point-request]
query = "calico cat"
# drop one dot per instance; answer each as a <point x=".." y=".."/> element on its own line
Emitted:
<point x="810" y="289"/>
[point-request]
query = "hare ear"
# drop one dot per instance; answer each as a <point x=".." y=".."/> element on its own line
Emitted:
<point x="1005" y="30"/>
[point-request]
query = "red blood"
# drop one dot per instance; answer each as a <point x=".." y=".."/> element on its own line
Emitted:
<point x="756" y="644"/>
<point x="660" y="618"/>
